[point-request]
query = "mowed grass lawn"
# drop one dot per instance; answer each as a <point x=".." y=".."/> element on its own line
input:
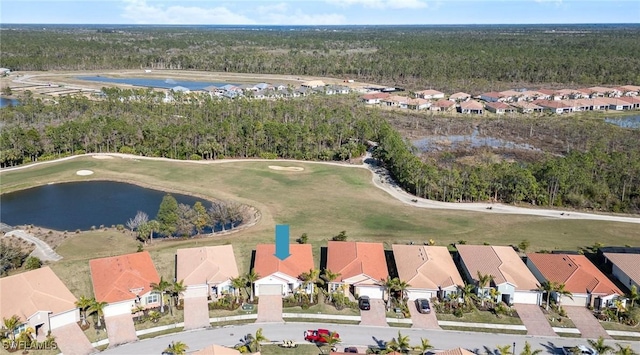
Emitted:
<point x="321" y="201"/>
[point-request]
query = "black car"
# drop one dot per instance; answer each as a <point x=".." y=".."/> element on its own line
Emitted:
<point x="363" y="303"/>
<point x="351" y="349"/>
<point x="422" y="305"/>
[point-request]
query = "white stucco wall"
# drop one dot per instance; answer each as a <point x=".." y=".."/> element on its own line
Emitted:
<point x="64" y="318"/>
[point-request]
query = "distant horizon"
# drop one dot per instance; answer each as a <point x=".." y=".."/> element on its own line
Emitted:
<point x="330" y="25"/>
<point x="319" y="12"/>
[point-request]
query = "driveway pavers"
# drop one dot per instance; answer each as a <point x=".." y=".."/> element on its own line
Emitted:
<point x="196" y="313"/>
<point x="71" y="340"/>
<point x="120" y="329"/>
<point x="422" y="320"/>
<point x="376" y="316"/>
<point x="586" y="323"/>
<point x="270" y="309"/>
<point x="534" y="320"/>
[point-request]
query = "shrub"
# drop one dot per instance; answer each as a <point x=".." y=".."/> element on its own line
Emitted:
<point x="195" y="157"/>
<point x="32" y="263"/>
<point x="127" y="150"/>
<point x="341" y="237"/>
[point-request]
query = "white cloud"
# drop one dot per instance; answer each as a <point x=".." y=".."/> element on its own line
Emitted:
<point x="142" y="13"/>
<point x="278" y="8"/>
<point x="382" y="4"/>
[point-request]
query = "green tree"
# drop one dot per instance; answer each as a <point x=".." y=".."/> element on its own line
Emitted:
<point x="560" y="289"/>
<point x="329" y="277"/>
<point x="527" y="350"/>
<point x="97" y="308"/>
<point x="161" y="287"/>
<point x="400" y="344"/>
<point x="238" y="283"/>
<point x="600" y="346"/>
<point x="257" y="339"/>
<point x="177" y="348"/>
<point x="168" y="215"/>
<point x="425" y="345"/>
<point x="83" y="303"/>
<point x="389" y="284"/>
<point x="331" y="339"/>
<point x="547" y="287"/>
<point x="11" y="324"/>
<point x="32" y="263"/>
<point x="177" y="289"/>
<point x="202" y="218"/>
<point x="483" y="282"/>
<point x="251" y="277"/>
<point x="341" y="237"/>
<point x="504" y="349"/>
<point x="304" y="238"/>
<point x="625" y="350"/>
<point x="633" y="295"/>
<point x="523" y="246"/>
<point x="311" y="278"/>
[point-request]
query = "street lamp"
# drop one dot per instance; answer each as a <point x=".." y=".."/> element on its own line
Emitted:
<point x="514" y="348"/>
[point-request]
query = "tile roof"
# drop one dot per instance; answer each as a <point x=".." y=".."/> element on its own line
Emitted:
<point x="396" y="98"/>
<point x="498" y="105"/>
<point x="500" y="261"/>
<point x="615" y="101"/>
<point x="442" y="103"/>
<point x="601" y="90"/>
<point x="418" y="102"/>
<point x="459" y="96"/>
<point x="576" y="271"/>
<point x="123" y="277"/>
<point x="471" y="105"/>
<point x="546" y="91"/>
<point x="32" y="291"/>
<point x="375" y="95"/>
<point x="213" y="264"/>
<point x="553" y="103"/>
<point x="456" y="351"/>
<point x="632" y="88"/>
<point x="628" y="263"/>
<point x="217" y="350"/>
<point x="429" y="92"/>
<point x="300" y="260"/>
<point x="510" y="93"/>
<point x="357" y="258"/>
<point x="634" y="100"/>
<point x="426" y="266"/>
<point x="527" y="105"/>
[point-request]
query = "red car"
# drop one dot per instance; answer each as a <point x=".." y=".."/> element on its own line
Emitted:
<point x="319" y="336"/>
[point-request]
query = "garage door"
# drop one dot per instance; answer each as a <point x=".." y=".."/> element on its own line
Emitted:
<point x="270" y="289"/>
<point x="526" y="297"/>
<point x="372" y="292"/>
<point x="577" y="301"/>
<point x="414" y="294"/>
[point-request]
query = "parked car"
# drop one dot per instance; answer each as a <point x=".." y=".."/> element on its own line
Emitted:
<point x="351" y="349"/>
<point x="579" y="350"/>
<point x="423" y="306"/>
<point x="319" y="335"/>
<point x="364" y="303"/>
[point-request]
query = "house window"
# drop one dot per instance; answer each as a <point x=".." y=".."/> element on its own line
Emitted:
<point x="152" y="298"/>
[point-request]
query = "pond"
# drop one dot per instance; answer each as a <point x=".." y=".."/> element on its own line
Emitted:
<point x="474" y="140"/>
<point x="155" y="83"/>
<point x="625" y="122"/>
<point x="81" y="205"/>
<point x="8" y="102"/>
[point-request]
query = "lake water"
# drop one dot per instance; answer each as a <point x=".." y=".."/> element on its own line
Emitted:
<point x="473" y="140"/>
<point x="625" y="122"/>
<point x="6" y="102"/>
<point x="81" y="205"/>
<point x="155" y="83"/>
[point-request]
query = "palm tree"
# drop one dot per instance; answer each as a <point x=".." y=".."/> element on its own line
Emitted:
<point x="251" y="277"/>
<point x="402" y="287"/>
<point x="83" y="303"/>
<point x="424" y="346"/>
<point x="494" y="294"/>
<point x="527" y="350"/>
<point x="331" y="339"/>
<point x="633" y="295"/>
<point x="504" y="349"/>
<point x="466" y="292"/>
<point x="256" y="340"/>
<point x="389" y="285"/>
<point x="626" y="350"/>
<point x="619" y="306"/>
<point x="560" y="290"/>
<point x="177" y="289"/>
<point x="483" y="281"/>
<point x="329" y="277"/>
<point x="177" y="348"/>
<point x="97" y="308"/>
<point x="310" y="278"/>
<point x="161" y="287"/>
<point x="600" y="346"/>
<point x="11" y="324"/>
<point x="238" y="283"/>
<point x="399" y="344"/>
<point x="547" y="287"/>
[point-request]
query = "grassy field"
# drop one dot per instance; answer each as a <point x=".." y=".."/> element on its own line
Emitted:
<point x="321" y="201"/>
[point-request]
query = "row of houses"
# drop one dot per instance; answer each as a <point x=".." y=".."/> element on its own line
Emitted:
<point x="42" y="301"/>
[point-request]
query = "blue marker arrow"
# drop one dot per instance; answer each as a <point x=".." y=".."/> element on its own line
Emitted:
<point x="282" y="241"/>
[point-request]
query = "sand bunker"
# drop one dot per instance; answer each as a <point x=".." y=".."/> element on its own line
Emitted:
<point x="285" y="168"/>
<point x="84" y="172"/>
<point x="103" y="157"/>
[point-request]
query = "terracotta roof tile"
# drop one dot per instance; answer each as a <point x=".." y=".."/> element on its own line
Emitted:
<point x="123" y="277"/>
<point x="32" y="291"/>
<point x="217" y="350"/>
<point x="634" y="100"/>
<point x="627" y="263"/>
<point x="300" y="261"/>
<point x="426" y="266"/>
<point x="459" y="96"/>
<point x="375" y="95"/>
<point x="575" y="271"/>
<point x="442" y="103"/>
<point x="429" y="92"/>
<point x="498" y="105"/>
<point x="357" y="258"/>
<point x="471" y="105"/>
<point x="456" y="351"/>
<point x="502" y="262"/>
<point x="553" y="103"/>
<point x="213" y="264"/>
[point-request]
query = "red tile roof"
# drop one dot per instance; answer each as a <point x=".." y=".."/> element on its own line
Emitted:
<point x="123" y="277"/>
<point x="498" y="105"/>
<point x="634" y="100"/>
<point x="471" y="105"/>
<point x="357" y="258"/>
<point x="442" y="103"/>
<point x="375" y="95"/>
<point x="300" y="260"/>
<point x="555" y="104"/>
<point x="493" y="94"/>
<point x="575" y="271"/>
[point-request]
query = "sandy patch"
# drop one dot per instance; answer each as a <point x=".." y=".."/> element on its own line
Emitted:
<point x="102" y="156"/>
<point x="286" y="168"/>
<point x="84" y="172"/>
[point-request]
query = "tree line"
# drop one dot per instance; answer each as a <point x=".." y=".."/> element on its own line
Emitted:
<point x="450" y="58"/>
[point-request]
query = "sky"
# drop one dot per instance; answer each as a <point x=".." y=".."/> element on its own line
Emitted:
<point x="318" y="12"/>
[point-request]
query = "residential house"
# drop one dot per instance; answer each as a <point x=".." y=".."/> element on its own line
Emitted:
<point x="456" y="351"/>
<point x="395" y="101"/>
<point x="594" y="104"/>
<point x="532" y="95"/>
<point x="499" y="108"/>
<point x="206" y="271"/>
<point x="40" y="299"/>
<point x="124" y="282"/>
<point x="216" y="350"/>
<point x="443" y="105"/>
<point x="491" y="96"/>
<point x="429" y="94"/>
<point x="429" y="270"/>
<point x="418" y="104"/>
<point x="629" y="90"/>
<point x="281" y="277"/>
<point x="340" y="90"/>
<point x="617" y="104"/>
<point x="527" y="107"/>
<point x="511" y="277"/>
<point x="625" y="267"/>
<point x="374" y="98"/>
<point x="634" y="101"/>
<point x="362" y="267"/>
<point x="459" y="96"/>
<point x="263" y="86"/>
<point x="599" y="91"/>
<point x="588" y="285"/>
<point x="471" y="107"/>
<point x="303" y="91"/>
<point x="550" y="94"/>
<point x="312" y="84"/>
<point x="510" y="95"/>
<point x="569" y="94"/>
<point x="555" y="106"/>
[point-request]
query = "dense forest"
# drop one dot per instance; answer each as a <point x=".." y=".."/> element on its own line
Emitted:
<point x="470" y="58"/>
<point x="600" y="171"/>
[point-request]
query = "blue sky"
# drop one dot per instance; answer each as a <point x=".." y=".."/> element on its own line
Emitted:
<point x="319" y="12"/>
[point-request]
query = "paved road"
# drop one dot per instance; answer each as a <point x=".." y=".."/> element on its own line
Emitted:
<point x="351" y="335"/>
<point x="42" y="251"/>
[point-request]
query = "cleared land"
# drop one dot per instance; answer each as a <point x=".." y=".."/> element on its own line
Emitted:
<point x="321" y="200"/>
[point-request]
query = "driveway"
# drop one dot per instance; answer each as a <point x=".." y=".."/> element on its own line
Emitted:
<point x="376" y="316"/>
<point x="270" y="309"/>
<point x="423" y="321"/>
<point x="42" y="251"/>
<point x="196" y="313"/>
<point x="586" y="323"/>
<point x="71" y="340"/>
<point x="120" y="329"/>
<point x="535" y="321"/>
